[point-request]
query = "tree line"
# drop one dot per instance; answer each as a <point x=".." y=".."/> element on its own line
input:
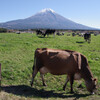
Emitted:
<point x="3" y="30"/>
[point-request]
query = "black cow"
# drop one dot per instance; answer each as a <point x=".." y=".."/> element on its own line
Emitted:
<point x="39" y="32"/>
<point x="73" y="34"/>
<point x="59" y="34"/>
<point x="48" y="32"/>
<point x="87" y="37"/>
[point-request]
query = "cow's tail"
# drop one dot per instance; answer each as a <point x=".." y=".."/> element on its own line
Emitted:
<point x="79" y="61"/>
<point x="34" y="68"/>
<point x="34" y="65"/>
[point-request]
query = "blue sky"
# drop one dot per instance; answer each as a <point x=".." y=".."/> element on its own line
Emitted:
<point x="86" y="12"/>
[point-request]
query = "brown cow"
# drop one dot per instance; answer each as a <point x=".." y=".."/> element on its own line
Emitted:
<point x="60" y="62"/>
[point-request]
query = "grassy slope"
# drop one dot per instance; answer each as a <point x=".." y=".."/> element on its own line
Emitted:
<point x="17" y="57"/>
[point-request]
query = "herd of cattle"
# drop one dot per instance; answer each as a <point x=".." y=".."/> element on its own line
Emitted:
<point x="48" y="32"/>
<point x="43" y="33"/>
<point x="85" y="34"/>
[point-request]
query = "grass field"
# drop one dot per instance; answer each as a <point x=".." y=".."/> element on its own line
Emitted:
<point x="17" y="57"/>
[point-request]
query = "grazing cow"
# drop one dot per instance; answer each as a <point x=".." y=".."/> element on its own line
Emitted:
<point x="59" y="34"/>
<point x="73" y="34"/>
<point x="63" y="33"/>
<point x="49" y="31"/>
<point x="60" y="62"/>
<point x="39" y="32"/>
<point x="87" y="37"/>
<point x="96" y="33"/>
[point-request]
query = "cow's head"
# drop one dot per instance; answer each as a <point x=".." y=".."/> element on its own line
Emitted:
<point x="91" y="86"/>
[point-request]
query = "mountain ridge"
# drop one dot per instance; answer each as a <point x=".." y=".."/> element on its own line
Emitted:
<point x="45" y="19"/>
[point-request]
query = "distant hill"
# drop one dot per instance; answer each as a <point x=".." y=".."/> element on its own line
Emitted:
<point x="45" y="19"/>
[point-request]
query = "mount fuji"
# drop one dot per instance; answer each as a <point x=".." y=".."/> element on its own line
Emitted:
<point x="45" y="19"/>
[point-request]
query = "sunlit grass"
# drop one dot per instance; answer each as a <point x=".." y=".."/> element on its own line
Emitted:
<point x="17" y="57"/>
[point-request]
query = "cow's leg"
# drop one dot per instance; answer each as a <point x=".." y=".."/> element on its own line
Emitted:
<point x="42" y="77"/>
<point x="71" y="82"/>
<point x="89" y="40"/>
<point x="65" y="83"/>
<point x="33" y="75"/>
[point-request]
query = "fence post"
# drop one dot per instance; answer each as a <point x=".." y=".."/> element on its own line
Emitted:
<point x="0" y="77"/>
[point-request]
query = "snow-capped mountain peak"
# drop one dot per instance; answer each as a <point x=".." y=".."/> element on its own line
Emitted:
<point x="46" y="10"/>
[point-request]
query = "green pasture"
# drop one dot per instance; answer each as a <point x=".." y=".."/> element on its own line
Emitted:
<point x="17" y="57"/>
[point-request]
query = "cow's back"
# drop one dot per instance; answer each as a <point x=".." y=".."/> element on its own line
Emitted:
<point x="57" y="61"/>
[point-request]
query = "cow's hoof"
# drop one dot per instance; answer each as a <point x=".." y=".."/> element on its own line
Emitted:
<point x="64" y="88"/>
<point x="44" y="84"/>
<point x="31" y="84"/>
<point x="92" y="93"/>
